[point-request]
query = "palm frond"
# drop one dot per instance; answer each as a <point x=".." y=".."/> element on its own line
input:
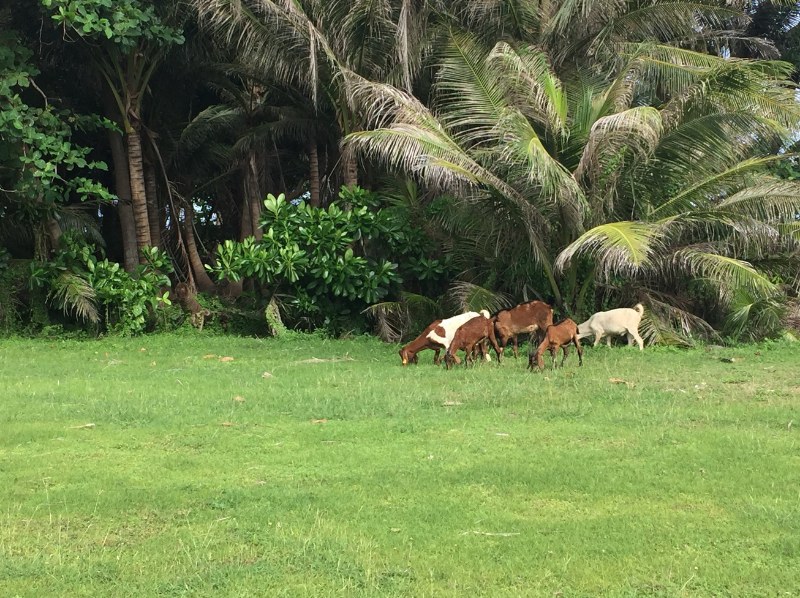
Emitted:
<point x="667" y="321"/>
<point x="727" y="274"/>
<point x="637" y="130"/>
<point x="73" y="294"/>
<point x="532" y="86"/>
<point x="768" y="199"/>
<point x="700" y="193"/>
<point x="753" y="318"/>
<point x="617" y="247"/>
<point x="467" y="296"/>
<point x="391" y="319"/>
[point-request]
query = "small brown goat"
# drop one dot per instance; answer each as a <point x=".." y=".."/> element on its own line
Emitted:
<point x="533" y="316"/>
<point x="408" y="354"/>
<point x="559" y="335"/>
<point x="470" y="337"/>
<point x="188" y="301"/>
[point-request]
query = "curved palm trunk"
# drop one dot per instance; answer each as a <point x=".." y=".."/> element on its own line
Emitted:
<point x="313" y="175"/>
<point x="138" y="193"/>
<point x="153" y="206"/>
<point x="202" y="280"/>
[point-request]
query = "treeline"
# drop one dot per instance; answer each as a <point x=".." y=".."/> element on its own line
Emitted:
<point x="352" y="165"/>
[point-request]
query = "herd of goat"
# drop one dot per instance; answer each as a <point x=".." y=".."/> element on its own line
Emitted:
<point x="471" y="331"/>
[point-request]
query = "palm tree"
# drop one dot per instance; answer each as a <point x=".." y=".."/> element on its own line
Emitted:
<point x="308" y="45"/>
<point x="619" y="122"/>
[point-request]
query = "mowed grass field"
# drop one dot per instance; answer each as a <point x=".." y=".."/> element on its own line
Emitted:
<point x="215" y="466"/>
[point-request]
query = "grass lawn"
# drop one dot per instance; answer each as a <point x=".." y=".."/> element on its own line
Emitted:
<point x="310" y="467"/>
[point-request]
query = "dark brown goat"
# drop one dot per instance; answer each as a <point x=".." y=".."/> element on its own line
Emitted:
<point x="559" y="335"/>
<point x="469" y="337"/>
<point x="533" y="316"/>
<point x="409" y="353"/>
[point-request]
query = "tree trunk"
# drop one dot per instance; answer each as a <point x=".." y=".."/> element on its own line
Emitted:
<point x="54" y="230"/>
<point x="153" y="205"/>
<point x="245" y="217"/>
<point x="122" y="188"/>
<point x="138" y="193"/>
<point x="313" y="175"/>
<point x="350" y="167"/>
<point x="254" y="196"/>
<point x="201" y="277"/>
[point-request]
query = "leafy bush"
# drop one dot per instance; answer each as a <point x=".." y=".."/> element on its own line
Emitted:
<point x="99" y="292"/>
<point x="330" y="262"/>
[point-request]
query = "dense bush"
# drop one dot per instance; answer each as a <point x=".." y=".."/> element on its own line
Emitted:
<point x="328" y="264"/>
<point x="82" y="282"/>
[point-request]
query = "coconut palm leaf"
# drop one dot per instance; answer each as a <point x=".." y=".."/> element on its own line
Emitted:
<point x="531" y="85"/>
<point x="667" y="320"/>
<point x="727" y="274"/>
<point x="714" y="185"/>
<point x="74" y="295"/>
<point x="636" y="131"/>
<point x="768" y="199"/>
<point x="753" y="317"/>
<point x="617" y="247"/>
<point x="467" y="296"/>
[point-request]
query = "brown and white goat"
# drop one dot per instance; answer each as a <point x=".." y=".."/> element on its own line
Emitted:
<point x="469" y="337"/>
<point x="446" y="330"/>
<point x="623" y="320"/>
<point x="436" y="336"/>
<point x="533" y="316"/>
<point x="408" y="354"/>
<point x="557" y="336"/>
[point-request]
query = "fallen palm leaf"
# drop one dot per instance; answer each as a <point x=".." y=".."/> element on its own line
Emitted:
<point x="318" y="360"/>
<point x="451" y="403"/>
<point x="226" y="359"/>
<point x="238" y="399"/>
<point x="319" y="421"/>
<point x="82" y="427"/>
<point x="621" y="381"/>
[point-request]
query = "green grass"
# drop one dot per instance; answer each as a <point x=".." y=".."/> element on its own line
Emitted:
<point x="684" y="482"/>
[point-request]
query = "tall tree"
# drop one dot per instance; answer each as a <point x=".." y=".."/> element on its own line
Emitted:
<point x="308" y="45"/>
<point x="125" y="40"/>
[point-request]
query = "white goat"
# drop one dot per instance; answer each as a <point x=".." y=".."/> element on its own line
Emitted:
<point x="614" y="322"/>
<point x="444" y="332"/>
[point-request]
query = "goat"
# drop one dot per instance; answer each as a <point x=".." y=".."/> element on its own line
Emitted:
<point x="559" y="335"/>
<point x="443" y="334"/>
<point x="470" y="337"/>
<point x="408" y="354"/>
<point x="533" y="316"/>
<point x="436" y="336"/>
<point x="614" y="322"/>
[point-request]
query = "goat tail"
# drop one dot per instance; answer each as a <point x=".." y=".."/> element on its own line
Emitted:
<point x="639" y="307"/>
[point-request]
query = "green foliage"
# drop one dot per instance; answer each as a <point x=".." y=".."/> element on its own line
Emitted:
<point x="42" y="167"/>
<point x="125" y="23"/>
<point x="99" y="292"/>
<point x="332" y="262"/>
